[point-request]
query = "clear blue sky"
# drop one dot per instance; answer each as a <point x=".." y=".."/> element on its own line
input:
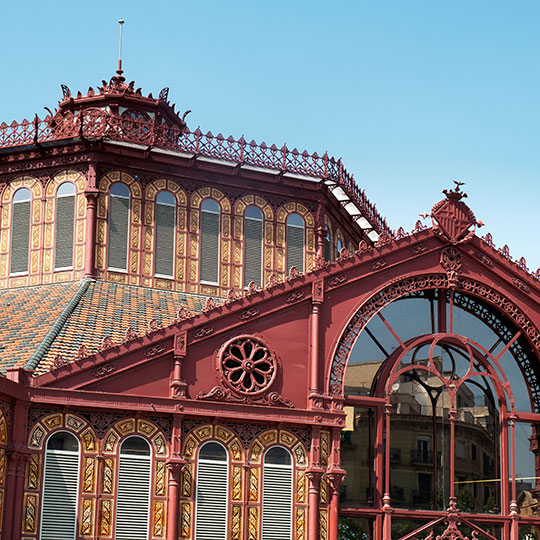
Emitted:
<point x="412" y="94"/>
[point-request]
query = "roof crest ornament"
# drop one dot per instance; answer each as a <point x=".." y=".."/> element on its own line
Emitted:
<point x="452" y="218"/>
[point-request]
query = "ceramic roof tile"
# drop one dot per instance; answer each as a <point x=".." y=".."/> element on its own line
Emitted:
<point x="26" y="314"/>
<point x="108" y="309"/>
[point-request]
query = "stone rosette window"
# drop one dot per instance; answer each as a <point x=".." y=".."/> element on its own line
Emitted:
<point x="247" y="366"/>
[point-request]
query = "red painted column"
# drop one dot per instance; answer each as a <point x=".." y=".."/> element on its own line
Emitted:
<point x="91" y="194"/>
<point x="317" y="294"/>
<point x="175" y="464"/>
<point x="335" y="478"/>
<point x="17" y="457"/>
<point x="314" y="479"/>
<point x="387" y="507"/>
<point x="90" y="237"/>
<point x="21" y="460"/>
<point x="9" y="495"/>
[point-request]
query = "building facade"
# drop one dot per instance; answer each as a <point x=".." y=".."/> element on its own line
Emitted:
<point x="205" y="338"/>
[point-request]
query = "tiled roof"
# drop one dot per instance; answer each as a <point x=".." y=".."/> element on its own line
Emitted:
<point x="104" y="309"/>
<point x="26" y="314"/>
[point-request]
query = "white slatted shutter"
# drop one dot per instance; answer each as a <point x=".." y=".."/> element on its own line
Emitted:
<point x="133" y="498"/>
<point x="211" y="502"/>
<point x="118" y="232"/>
<point x="60" y="494"/>
<point x="165" y="229"/>
<point x="65" y="218"/>
<point x="277" y="502"/>
<point x="209" y="246"/>
<point x="253" y="236"/>
<point x="20" y="237"/>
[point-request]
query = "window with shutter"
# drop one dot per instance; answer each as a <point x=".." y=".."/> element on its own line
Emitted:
<point x="60" y="488"/>
<point x="295" y="242"/>
<point x="210" y="214"/>
<point x="133" y="497"/>
<point x="212" y="490"/>
<point x="327" y="247"/>
<point x="20" y="231"/>
<point x="165" y="234"/>
<point x="253" y="238"/>
<point x="339" y="246"/>
<point x="277" y="495"/>
<point x="118" y="227"/>
<point x="65" y="220"/>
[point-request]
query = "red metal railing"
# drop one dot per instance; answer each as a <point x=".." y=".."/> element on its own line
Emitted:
<point x="94" y="123"/>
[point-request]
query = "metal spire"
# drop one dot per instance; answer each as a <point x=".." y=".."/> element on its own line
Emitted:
<point x="119" y="70"/>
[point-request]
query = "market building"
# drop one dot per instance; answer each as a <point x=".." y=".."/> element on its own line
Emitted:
<point x="204" y="338"/>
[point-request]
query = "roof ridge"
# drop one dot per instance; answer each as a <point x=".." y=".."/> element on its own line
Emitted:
<point x="50" y="336"/>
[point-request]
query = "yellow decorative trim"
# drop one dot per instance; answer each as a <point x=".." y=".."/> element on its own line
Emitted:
<point x="30" y="512"/>
<point x="236" y="523"/>
<point x="159" y="520"/>
<point x="33" y="472"/>
<point x="160" y="479"/>
<point x="87" y="517"/>
<point x="89" y="475"/>
<point x="185" y="520"/>
<point x="105" y="517"/>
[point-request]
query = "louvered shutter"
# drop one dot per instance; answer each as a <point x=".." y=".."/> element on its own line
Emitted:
<point x="164" y="239"/>
<point x="60" y="494"/>
<point x="252" y="251"/>
<point x="65" y="217"/>
<point x="209" y="246"/>
<point x="211" y="504"/>
<point x="118" y="232"/>
<point x="20" y="237"/>
<point x="277" y="502"/>
<point x="133" y="498"/>
<point x="295" y="247"/>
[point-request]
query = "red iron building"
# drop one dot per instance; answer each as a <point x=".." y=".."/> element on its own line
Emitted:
<point x="204" y="338"/>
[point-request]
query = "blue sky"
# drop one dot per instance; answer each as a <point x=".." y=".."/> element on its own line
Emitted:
<point x="412" y="94"/>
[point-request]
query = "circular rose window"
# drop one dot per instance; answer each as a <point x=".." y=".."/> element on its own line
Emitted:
<point x="247" y="366"/>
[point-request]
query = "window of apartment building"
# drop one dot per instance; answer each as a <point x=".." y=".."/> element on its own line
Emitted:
<point x="60" y="488"/>
<point x="211" y="493"/>
<point x="295" y="242"/>
<point x="65" y="222"/>
<point x="165" y="234"/>
<point x="20" y="231"/>
<point x="253" y="245"/>
<point x="210" y="217"/>
<point x="133" y="499"/>
<point x="119" y="203"/>
<point x="277" y="495"/>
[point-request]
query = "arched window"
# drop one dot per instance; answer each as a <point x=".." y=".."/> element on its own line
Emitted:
<point x="295" y="241"/>
<point x="212" y="493"/>
<point x="210" y="214"/>
<point x="165" y="234"/>
<point x="118" y="227"/>
<point x="327" y="247"/>
<point x="133" y="499"/>
<point x="339" y="246"/>
<point x="453" y="369"/>
<point x="20" y="231"/>
<point x="65" y="219"/>
<point x="60" y="488"/>
<point x="277" y="500"/>
<point x="253" y="240"/>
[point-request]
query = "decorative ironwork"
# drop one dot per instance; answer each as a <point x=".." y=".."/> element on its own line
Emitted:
<point x="140" y="128"/>
<point x="247" y="366"/>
